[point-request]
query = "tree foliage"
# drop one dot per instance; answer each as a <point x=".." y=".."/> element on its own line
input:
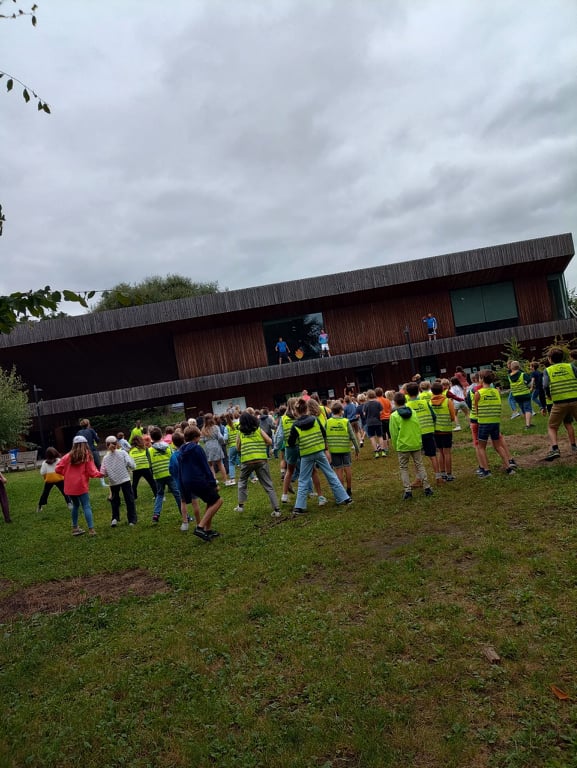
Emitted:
<point x="152" y="290"/>
<point x="38" y="305"/>
<point x="28" y="93"/>
<point x="14" y="412"/>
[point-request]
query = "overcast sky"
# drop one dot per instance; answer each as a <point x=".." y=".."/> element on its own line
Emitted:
<point x="248" y="142"/>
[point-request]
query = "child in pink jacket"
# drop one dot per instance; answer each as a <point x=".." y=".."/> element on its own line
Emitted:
<point x="78" y="467"/>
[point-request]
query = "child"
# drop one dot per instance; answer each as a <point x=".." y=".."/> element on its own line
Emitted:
<point x="406" y="437"/>
<point x="160" y="453"/>
<point x="340" y="435"/>
<point x="78" y="467"/>
<point x="372" y="412"/>
<point x="177" y="443"/>
<point x="520" y="383"/>
<point x="142" y="466"/>
<point x="4" y="499"/>
<point x="251" y="444"/>
<point x="213" y="443"/>
<point x="230" y="435"/>
<point x="385" y="399"/>
<point x="195" y="478"/>
<point x="308" y="435"/>
<point x="444" y="411"/>
<point x="426" y="419"/>
<point x="291" y="454"/>
<point x="51" y="479"/>
<point x="487" y="406"/>
<point x="116" y="465"/>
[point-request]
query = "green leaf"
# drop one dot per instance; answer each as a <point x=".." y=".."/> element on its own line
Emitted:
<point x="91" y="294"/>
<point x="10" y="85"/>
<point x="46" y="108"/>
<point x="39" y="106"/>
<point x="26" y="95"/>
<point x="70" y="296"/>
<point x="34" y="21"/>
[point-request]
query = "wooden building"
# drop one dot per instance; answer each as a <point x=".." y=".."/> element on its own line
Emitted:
<point x="209" y="350"/>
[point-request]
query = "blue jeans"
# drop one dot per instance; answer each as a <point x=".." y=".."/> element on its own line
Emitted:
<point x="306" y="471"/>
<point x="83" y="499"/>
<point x="512" y="403"/>
<point x="233" y="461"/>
<point x="161" y="484"/>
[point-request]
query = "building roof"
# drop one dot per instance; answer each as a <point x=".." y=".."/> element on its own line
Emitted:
<point x="557" y="250"/>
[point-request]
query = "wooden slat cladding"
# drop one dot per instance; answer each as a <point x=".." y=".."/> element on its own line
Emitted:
<point x="533" y="300"/>
<point x="382" y="324"/>
<point x="237" y="347"/>
<point x="556" y="250"/>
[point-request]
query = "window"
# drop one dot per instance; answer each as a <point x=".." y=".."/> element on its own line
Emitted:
<point x="484" y="308"/>
<point x="558" y="296"/>
<point x="300" y="333"/>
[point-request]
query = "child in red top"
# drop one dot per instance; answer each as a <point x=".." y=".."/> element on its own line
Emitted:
<point x="78" y="467"/>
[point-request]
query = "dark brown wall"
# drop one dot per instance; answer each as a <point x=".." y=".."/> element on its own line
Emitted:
<point x="232" y="348"/>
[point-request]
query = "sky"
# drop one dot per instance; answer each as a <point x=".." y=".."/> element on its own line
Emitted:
<point x="252" y="142"/>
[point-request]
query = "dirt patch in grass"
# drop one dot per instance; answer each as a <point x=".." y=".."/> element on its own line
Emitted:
<point x="60" y="596"/>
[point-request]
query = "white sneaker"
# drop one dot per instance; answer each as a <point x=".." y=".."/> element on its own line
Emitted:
<point x="322" y="501"/>
<point x="515" y="415"/>
<point x="254" y="480"/>
<point x="276" y="513"/>
<point x="239" y="509"/>
<point x="457" y="428"/>
<point x="184" y="527"/>
<point x="230" y="482"/>
<point x="312" y="495"/>
<point x="113" y="522"/>
<point x="284" y="498"/>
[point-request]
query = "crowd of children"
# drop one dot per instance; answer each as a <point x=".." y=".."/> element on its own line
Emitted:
<point x="312" y="439"/>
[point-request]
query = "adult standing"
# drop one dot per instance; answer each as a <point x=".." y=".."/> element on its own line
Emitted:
<point x="324" y="343"/>
<point x="560" y="383"/>
<point x="431" y="322"/>
<point x="283" y="351"/>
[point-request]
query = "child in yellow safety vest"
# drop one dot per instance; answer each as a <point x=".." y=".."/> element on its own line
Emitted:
<point x="251" y="443"/>
<point x="340" y="435"/>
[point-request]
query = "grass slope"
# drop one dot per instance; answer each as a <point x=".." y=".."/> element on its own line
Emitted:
<point x="345" y="638"/>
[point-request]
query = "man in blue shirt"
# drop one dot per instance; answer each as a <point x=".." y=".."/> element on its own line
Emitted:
<point x="283" y="351"/>
<point x="431" y="326"/>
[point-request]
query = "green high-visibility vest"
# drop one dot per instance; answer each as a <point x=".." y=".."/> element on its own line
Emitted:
<point x="252" y="447"/>
<point x="310" y="440"/>
<point x="519" y="388"/>
<point x="562" y="382"/>
<point x="338" y="438"/>
<point x="489" y="406"/>
<point x="424" y="414"/>
<point x="442" y="413"/>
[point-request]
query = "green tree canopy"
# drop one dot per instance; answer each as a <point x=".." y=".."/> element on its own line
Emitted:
<point x="14" y="412"/>
<point x="152" y="290"/>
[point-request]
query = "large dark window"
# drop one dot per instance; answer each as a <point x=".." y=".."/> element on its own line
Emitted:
<point x="558" y="296"/>
<point x="300" y="333"/>
<point x="484" y="308"/>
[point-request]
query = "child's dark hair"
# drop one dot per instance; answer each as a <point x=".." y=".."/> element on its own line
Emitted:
<point x="412" y="389"/>
<point x="155" y="434"/>
<point x="337" y="407"/>
<point x="137" y="442"/>
<point x="191" y="433"/>
<point x="177" y="439"/>
<point x="301" y="407"/>
<point x="51" y="455"/>
<point x="437" y="388"/>
<point x="399" y="399"/>
<point x="247" y="423"/>
<point x="556" y="355"/>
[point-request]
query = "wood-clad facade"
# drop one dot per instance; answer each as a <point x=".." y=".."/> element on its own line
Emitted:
<point x="216" y="347"/>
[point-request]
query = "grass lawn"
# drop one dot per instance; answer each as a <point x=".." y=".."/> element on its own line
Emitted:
<point x="348" y="637"/>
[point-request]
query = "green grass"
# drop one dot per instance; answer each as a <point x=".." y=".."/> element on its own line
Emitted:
<point x="346" y="638"/>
